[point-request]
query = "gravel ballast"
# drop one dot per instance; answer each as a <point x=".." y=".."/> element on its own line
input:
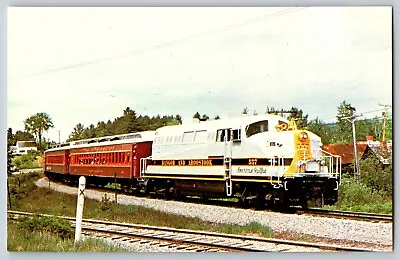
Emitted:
<point x="352" y="230"/>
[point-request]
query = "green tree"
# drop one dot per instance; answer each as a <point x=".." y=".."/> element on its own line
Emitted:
<point x="294" y="113"/>
<point x="323" y="130"/>
<point x="172" y="121"/>
<point x="38" y="123"/>
<point x="77" y="133"/>
<point x="9" y="161"/>
<point x="344" y="125"/>
<point x="178" y="118"/>
<point x="384" y="129"/>
<point x="101" y="129"/>
<point x="274" y="111"/>
<point x="389" y="129"/>
<point x="89" y="132"/>
<point x="10" y="137"/>
<point x="204" y="117"/>
<point x="110" y="128"/>
<point x="271" y="110"/>
<point x="371" y="127"/>
<point x="129" y="124"/>
<point x="297" y="115"/>
<point x="245" y="111"/>
<point x="377" y="176"/>
<point x="197" y="115"/>
<point x="23" y="136"/>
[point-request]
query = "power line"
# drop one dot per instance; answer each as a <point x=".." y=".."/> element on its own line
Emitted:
<point x="168" y="43"/>
<point x="367" y="112"/>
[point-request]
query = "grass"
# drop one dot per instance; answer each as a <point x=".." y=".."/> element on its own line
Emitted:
<point x="252" y="228"/>
<point x="21" y="239"/>
<point x="383" y="208"/>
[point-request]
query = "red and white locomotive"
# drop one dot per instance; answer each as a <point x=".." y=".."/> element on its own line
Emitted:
<point x="263" y="158"/>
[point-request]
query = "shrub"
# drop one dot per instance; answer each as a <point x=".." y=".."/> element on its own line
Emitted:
<point x="21" y="185"/>
<point x="19" y="240"/>
<point x="356" y="196"/>
<point x="105" y="203"/>
<point x="354" y="193"/>
<point x="377" y="176"/>
<point x="58" y="226"/>
<point x="26" y="161"/>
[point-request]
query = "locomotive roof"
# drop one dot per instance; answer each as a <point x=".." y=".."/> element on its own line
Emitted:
<point x="234" y="123"/>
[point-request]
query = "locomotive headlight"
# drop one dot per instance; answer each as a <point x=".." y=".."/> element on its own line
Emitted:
<point x="304" y="136"/>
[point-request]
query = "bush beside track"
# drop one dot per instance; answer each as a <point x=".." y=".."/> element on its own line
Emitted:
<point x="354" y="196"/>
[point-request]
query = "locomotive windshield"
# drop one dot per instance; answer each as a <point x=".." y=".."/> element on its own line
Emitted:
<point x="255" y="128"/>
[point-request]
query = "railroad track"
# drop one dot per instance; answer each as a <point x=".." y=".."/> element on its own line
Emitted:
<point x="362" y="216"/>
<point x="190" y="240"/>
<point x="347" y="214"/>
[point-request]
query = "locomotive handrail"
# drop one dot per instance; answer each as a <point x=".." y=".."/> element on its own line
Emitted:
<point x="143" y="165"/>
<point x="333" y="168"/>
<point x="338" y="168"/>
<point x="272" y="161"/>
<point x="281" y="165"/>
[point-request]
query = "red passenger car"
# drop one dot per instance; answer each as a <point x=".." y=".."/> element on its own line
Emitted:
<point x="100" y="160"/>
<point x="120" y="160"/>
<point x="56" y="160"/>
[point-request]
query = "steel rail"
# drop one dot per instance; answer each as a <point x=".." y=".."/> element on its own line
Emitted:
<point x="243" y="244"/>
<point x="347" y="214"/>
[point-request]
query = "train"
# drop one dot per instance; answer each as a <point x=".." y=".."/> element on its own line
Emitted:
<point x="260" y="158"/>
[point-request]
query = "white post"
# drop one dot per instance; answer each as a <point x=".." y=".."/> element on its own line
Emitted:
<point x="79" y="208"/>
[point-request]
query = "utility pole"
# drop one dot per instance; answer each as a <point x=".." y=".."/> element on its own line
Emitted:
<point x="384" y="114"/>
<point x="352" y="120"/>
<point x="59" y="139"/>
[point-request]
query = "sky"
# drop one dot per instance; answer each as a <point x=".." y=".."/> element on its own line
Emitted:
<point x="87" y="64"/>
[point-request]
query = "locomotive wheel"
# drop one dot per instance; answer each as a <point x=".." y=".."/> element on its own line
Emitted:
<point x="304" y="204"/>
<point x="243" y="202"/>
<point x="125" y="188"/>
<point x="167" y="192"/>
<point x="178" y="195"/>
<point x="148" y="188"/>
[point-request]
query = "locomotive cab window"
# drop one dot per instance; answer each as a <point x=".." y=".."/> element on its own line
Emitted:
<point x="236" y="135"/>
<point x="256" y="128"/>
<point x="221" y="135"/>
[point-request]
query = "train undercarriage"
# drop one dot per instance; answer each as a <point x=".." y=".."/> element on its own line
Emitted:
<point x="305" y="191"/>
<point x="310" y="192"/>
